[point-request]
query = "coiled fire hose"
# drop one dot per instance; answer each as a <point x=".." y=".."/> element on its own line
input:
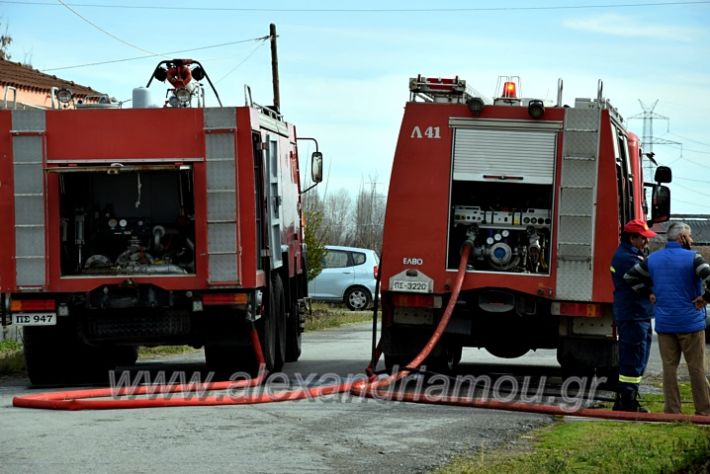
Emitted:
<point x="97" y="399"/>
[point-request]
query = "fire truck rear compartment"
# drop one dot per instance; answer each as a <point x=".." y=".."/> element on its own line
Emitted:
<point x="509" y="223"/>
<point x="127" y="223"/>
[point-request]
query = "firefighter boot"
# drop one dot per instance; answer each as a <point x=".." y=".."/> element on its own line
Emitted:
<point x="628" y="401"/>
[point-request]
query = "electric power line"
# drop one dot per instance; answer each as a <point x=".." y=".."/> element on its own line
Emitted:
<point x="367" y="10"/>
<point x="99" y="63"/>
<point x="108" y="33"/>
<point x="697" y="151"/>
<point x="691" y="189"/>
<point x="262" y="43"/>
<point x="699" y="204"/>
<point x="688" y="139"/>
<point x="704" y="181"/>
<point x="704" y="165"/>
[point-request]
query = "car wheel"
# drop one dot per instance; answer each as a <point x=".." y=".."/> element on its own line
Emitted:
<point x="357" y="299"/>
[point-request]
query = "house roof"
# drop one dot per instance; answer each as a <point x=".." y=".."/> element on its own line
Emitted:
<point x="699" y="223"/>
<point x="24" y="77"/>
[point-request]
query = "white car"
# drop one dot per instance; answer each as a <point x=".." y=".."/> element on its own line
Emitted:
<point x="349" y="275"/>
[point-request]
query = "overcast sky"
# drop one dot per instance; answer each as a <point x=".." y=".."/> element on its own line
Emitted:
<point x="344" y="66"/>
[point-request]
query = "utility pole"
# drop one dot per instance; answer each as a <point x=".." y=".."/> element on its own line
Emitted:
<point x="648" y="140"/>
<point x="275" y="68"/>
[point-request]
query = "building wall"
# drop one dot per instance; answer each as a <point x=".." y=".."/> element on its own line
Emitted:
<point x="35" y="98"/>
<point x="30" y="97"/>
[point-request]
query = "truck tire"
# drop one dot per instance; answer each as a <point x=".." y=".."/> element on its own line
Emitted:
<point x="46" y="355"/>
<point x="56" y="355"/>
<point x="512" y="351"/>
<point x="278" y="315"/>
<point x="123" y="355"/>
<point x="226" y="358"/>
<point x="399" y="361"/>
<point x="357" y="298"/>
<point x="581" y="357"/>
<point x="293" y="333"/>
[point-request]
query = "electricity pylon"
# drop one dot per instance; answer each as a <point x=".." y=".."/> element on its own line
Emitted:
<point x="648" y="140"/>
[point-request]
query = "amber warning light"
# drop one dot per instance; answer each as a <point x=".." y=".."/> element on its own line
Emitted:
<point x="509" y="90"/>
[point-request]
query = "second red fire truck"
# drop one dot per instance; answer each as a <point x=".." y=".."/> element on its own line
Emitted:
<point x="541" y="190"/>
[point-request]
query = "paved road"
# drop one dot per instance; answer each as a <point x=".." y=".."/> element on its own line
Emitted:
<point x="351" y="435"/>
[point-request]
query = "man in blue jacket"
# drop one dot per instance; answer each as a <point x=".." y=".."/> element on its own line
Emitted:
<point x="632" y="316"/>
<point x="677" y="275"/>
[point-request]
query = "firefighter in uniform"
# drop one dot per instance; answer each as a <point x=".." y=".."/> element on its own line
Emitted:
<point x="632" y="315"/>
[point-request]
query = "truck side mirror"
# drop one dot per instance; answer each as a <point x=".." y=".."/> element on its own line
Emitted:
<point x="660" y="204"/>
<point x="663" y="174"/>
<point x="317" y="167"/>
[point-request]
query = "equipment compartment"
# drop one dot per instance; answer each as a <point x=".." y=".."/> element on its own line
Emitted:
<point x="509" y="223"/>
<point x="127" y="222"/>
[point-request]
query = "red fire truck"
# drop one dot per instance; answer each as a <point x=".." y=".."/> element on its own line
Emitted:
<point x="541" y="190"/>
<point x="175" y="224"/>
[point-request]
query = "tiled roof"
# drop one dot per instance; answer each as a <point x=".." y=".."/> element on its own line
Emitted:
<point x="699" y="223"/>
<point x="24" y="77"/>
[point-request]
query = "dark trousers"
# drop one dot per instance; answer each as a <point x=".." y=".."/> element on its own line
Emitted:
<point x="634" y="350"/>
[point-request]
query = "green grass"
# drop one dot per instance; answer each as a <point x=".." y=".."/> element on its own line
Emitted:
<point x="145" y="352"/>
<point x="324" y="316"/>
<point x="654" y="401"/>
<point x="9" y="346"/>
<point x="12" y="360"/>
<point x="597" y="447"/>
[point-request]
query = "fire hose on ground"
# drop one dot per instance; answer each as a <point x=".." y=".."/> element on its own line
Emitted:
<point x="98" y="399"/>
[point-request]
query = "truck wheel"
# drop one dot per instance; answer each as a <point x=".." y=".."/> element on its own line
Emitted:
<point x="267" y="327"/>
<point x="228" y="359"/>
<point x="357" y="298"/>
<point x="278" y="316"/>
<point x="225" y="356"/>
<point x="123" y="355"/>
<point x="293" y="334"/>
<point x="45" y="358"/>
<point x="586" y="357"/>
<point x="507" y="352"/>
<point x="399" y="361"/>
<point x="57" y="356"/>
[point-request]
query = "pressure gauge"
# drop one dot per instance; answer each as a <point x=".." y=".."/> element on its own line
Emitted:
<point x="123" y="222"/>
<point x="490" y="241"/>
<point x="505" y="233"/>
<point x="497" y="237"/>
<point x="112" y="223"/>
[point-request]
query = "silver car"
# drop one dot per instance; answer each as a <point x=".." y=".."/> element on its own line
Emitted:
<point x="348" y="276"/>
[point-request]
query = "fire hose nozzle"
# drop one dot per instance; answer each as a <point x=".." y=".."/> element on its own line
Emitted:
<point x="471" y="234"/>
<point x="467" y="243"/>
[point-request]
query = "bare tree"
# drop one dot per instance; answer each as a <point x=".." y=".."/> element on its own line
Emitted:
<point x="369" y="216"/>
<point x="337" y="222"/>
<point x="344" y="222"/>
